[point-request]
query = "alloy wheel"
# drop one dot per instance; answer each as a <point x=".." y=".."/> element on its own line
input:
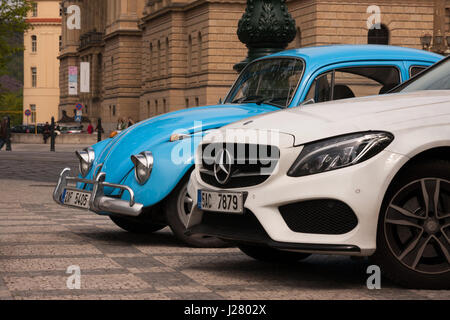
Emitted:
<point x="417" y="225"/>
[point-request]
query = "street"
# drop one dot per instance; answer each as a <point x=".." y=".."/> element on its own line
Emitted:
<point x="39" y="240"/>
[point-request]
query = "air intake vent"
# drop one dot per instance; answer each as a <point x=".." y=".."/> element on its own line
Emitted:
<point x="324" y="216"/>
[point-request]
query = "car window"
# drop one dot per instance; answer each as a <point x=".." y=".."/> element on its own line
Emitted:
<point x="320" y="90"/>
<point x="343" y="83"/>
<point x="434" y="78"/>
<point x="416" y="70"/>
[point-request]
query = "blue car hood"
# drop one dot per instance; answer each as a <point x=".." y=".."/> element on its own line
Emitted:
<point x="149" y="133"/>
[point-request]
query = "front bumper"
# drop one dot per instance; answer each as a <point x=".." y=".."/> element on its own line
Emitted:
<point x="99" y="202"/>
<point x="361" y="187"/>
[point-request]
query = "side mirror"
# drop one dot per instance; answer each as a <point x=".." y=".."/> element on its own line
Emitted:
<point x="310" y="101"/>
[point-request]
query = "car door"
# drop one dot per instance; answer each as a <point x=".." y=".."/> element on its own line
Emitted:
<point x="353" y="80"/>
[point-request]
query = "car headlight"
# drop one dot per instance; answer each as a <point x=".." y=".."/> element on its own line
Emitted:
<point x="86" y="157"/>
<point x="143" y="165"/>
<point x="339" y="152"/>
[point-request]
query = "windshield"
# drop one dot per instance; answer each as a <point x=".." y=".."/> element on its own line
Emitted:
<point x="271" y="81"/>
<point x="435" y="78"/>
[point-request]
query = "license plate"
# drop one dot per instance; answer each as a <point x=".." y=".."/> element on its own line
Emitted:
<point x="76" y="198"/>
<point x="230" y="202"/>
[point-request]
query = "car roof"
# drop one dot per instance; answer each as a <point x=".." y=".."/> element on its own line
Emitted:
<point x="329" y="54"/>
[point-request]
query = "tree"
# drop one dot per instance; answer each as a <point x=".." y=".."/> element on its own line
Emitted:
<point x="13" y="24"/>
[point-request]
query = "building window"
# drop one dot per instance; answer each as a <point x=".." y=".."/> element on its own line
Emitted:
<point x="200" y="49"/>
<point x="35" y="9"/>
<point x="148" y="109"/>
<point x="165" y="105"/>
<point x="159" y="57"/>
<point x="187" y="103"/>
<point x="167" y="56"/>
<point x="156" y="107"/>
<point x="60" y="43"/>
<point x="150" y="63"/>
<point x="34" y="77"/>
<point x="299" y="38"/>
<point x="114" y="110"/>
<point x="378" y="36"/>
<point x="33" y="113"/>
<point x="189" y="54"/>
<point x="33" y="43"/>
<point x="196" y="101"/>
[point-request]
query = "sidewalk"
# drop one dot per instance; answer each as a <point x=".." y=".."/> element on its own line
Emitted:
<point x="44" y="147"/>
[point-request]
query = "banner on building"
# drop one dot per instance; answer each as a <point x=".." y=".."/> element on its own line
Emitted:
<point x="73" y="81"/>
<point x="84" y="77"/>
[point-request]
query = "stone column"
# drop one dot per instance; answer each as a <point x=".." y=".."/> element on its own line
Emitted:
<point x="265" y="28"/>
<point x="439" y="29"/>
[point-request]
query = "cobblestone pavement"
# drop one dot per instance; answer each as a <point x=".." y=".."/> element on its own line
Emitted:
<point x="39" y="240"/>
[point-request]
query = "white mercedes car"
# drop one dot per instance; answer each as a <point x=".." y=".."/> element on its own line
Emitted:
<point x="361" y="177"/>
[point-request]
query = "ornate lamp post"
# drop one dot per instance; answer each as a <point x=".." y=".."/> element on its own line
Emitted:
<point x="437" y="42"/>
<point x="425" y="40"/>
<point x="447" y="38"/>
<point x="265" y="28"/>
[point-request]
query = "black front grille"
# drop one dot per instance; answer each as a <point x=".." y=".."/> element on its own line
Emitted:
<point x="244" y="227"/>
<point x="251" y="164"/>
<point x="324" y="216"/>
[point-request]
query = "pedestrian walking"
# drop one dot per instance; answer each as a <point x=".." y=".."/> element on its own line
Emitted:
<point x="90" y="128"/>
<point x="46" y="132"/>
<point x="120" y="124"/>
<point x="130" y="122"/>
<point x="3" y="131"/>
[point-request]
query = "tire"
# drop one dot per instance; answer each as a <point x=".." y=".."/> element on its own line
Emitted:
<point x="416" y="253"/>
<point x="177" y="208"/>
<point x="268" y="254"/>
<point x="136" y="225"/>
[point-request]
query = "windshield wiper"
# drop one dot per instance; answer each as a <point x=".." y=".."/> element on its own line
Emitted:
<point x="248" y="99"/>
<point x="260" y="99"/>
<point x="270" y="101"/>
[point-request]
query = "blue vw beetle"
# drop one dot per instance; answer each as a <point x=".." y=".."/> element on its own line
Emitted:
<point x="139" y="177"/>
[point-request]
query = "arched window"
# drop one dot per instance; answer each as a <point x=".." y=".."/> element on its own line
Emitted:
<point x="167" y="56"/>
<point x="150" y="62"/>
<point x="159" y="57"/>
<point x="33" y="43"/>
<point x="189" y="54"/>
<point x="298" y="38"/>
<point x="200" y="49"/>
<point x="378" y="35"/>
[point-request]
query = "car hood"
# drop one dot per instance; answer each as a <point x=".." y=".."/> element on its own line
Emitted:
<point x="145" y="135"/>
<point x="392" y="112"/>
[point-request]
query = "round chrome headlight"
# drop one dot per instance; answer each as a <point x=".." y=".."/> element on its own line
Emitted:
<point x="143" y="165"/>
<point x="86" y="157"/>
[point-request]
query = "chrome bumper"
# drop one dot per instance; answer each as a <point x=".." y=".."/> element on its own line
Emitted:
<point x="100" y="203"/>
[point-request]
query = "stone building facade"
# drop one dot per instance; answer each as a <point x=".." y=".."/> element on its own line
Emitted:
<point x="149" y="57"/>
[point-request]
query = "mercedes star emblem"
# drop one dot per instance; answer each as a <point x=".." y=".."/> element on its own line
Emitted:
<point x="222" y="166"/>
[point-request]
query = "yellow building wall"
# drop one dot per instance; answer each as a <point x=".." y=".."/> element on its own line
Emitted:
<point x="46" y="26"/>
